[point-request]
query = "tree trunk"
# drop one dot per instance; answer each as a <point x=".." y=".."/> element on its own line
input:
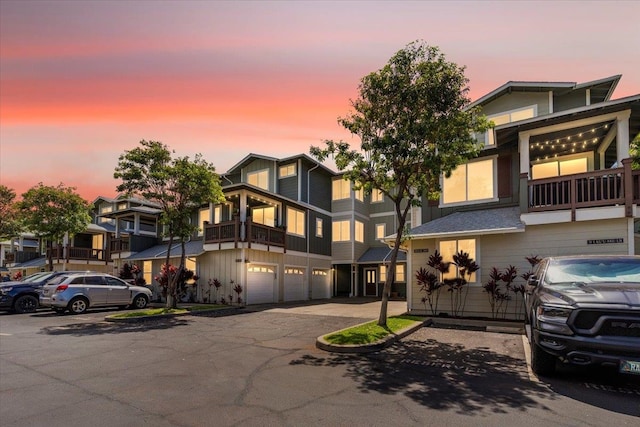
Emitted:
<point x="170" y="300"/>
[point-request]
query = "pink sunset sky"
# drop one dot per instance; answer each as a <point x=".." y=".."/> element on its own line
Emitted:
<point x="83" y="81"/>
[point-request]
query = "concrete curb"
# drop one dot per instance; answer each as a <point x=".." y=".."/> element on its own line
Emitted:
<point x="323" y="344"/>
<point x="503" y="327"/>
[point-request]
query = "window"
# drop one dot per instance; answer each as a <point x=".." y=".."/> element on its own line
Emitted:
<point x="377" y="196"/>
<point x="381" y="231"/>
<point x="560" y="167"/>
<point x="287" y="170"/>
<point x="359" y="231"/>
<point x="217" y="214"/>
<point x="97" y="241"/>
<point x="203" y="215"/>
<point x="106" y="209"/>
<point x="122" y="206"/>
<point x="265" y="216"/>
<point x="448" y="248"/>
<point x="295" y="222"/>
<point x="320" y="272"/>
<point x="469" y="182"/>
<point x="147" y="272"/>
<point x="341" y="231"/>
<point x="259" y="179"/>
<point x="400" y="273"/>
<point x="509" y="117"/>
<point x="296" y="271"/>
<point x="359" y="194"/>
<point x="341" y="189"/>
<point x="190" y="264"/>
<point x="319" y="227"/>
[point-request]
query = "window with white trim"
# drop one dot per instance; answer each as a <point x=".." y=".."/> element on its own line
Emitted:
<point x="400" y="273"/>
<point x="217" y="214"/>
<point x="147" y="272"/>
<point x="319" y="223"/>
<point x="359" y="231"/>
<point x="508" y="117"/>
<point x="559" y="167"/>
<point x="381" y="231"/>
<point x="359" y="195"/>
<point x="341" y="189"/>
<point x="377" y="196"/>
<point x="265" y="216"/>
<point x="471" y="181"/>
<point x="341" y="231"/>
<point x="295" y="222"/>
<point x="259" y="179"/>
<point x="288" y="170"/>
<point x="448" y="248"/>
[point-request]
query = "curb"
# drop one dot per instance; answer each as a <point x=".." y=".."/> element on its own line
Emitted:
<point x="481" y="325"/>
<point x="385" y="342"/>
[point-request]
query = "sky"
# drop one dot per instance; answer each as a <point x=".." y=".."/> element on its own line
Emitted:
<point x="81" y="82"/>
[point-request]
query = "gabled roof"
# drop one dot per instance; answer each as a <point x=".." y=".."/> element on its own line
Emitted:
<point x="252" y="156"/>
<point x="380" y="255"/>
<point x="36" y="262"/>
<point x="192" y="248"/>
<point x="471" y="223"/>
<point x="608" y="85"/>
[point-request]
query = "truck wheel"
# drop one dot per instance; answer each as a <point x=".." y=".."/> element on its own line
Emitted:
<point x="542" y="363"/>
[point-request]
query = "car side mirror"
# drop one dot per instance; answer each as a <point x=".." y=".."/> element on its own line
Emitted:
<point x="533" y="281"/>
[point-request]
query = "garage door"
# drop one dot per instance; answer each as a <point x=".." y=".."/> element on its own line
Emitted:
<point x="261" y="282"/>
<point x="294" y="284"/>
<point x="320" y="284"/>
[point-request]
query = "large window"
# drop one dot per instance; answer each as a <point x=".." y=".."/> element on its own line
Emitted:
<point x="448" y="248"/>
<point x="295" y="222"/>
<point x="381" y="231"/>
<point x="147" y="272"/>
<point x="559" y="167"/>
<point x="288" y="170"/>
<point x="265" y="215"/>
<point x="359" y="231"/>
<point x="509" y="117"/>
<point x="341" y="189"/>
<point x="470" y="182"/>
<point x="259" y="178"/>
<point x="341" y="231"/>
<point x="400" y="273"/>
<point x="359" y="194"/>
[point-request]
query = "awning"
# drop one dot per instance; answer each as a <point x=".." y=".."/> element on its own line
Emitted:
<point x="379" y="255"/>
<point x="471" y="223"/>
<point x="192" y="248"/>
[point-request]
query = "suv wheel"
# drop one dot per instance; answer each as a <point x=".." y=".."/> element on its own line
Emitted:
<point x="140" y="301"/>
<point x="78" y="305"/>
<point x="26" y="304"/>
<point x="542" y="363"/>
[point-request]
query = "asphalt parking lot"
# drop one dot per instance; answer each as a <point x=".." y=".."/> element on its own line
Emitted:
<point x="262" y="368"/>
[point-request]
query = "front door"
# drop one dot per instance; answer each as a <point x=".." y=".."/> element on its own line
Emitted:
<point x="370" y="282"/>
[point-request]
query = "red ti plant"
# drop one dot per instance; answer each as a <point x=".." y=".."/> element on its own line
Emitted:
<point x="238" y="290"/>
<point x="430" y="285"/>
<point x="466" y="268"/>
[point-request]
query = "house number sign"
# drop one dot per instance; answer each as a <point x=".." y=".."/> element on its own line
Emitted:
<point x="604" y="241"/>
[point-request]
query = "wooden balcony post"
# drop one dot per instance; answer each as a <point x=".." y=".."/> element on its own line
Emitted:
<point x="247" y="234"/>
<point x="627" y="188"/>
<point x="525" y="197"/>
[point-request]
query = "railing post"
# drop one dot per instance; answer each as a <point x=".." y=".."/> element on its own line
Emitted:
<point x="525" y="197"/>
<point x="247" y="232"/>
<point x="573" y="188"/>
<point x="627" y="188"/>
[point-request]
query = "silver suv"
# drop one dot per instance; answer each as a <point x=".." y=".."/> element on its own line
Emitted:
<point x="78" y="291"/>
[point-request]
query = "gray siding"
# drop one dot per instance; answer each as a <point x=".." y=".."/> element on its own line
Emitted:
<point x="319" y="188"/>
<point x="258" y="165"/>
<point x="288" y="187"/>
<point x="573" y="99"/>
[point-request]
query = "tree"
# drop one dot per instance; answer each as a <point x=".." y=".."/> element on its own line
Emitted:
<point x="9" y="217"/>
<point x="53" y="212"/>
<point x="180" y="186"/>
<point x="414" y="123"/>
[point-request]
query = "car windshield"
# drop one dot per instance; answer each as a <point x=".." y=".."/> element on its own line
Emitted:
<point x="33" y="277"/>
<point x="594" y="270"/>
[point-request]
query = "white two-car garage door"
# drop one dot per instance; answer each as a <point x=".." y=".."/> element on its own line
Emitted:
<point x="261" y="284"/>
<point x="320" y="284"/>
<point x="294" y="284"/>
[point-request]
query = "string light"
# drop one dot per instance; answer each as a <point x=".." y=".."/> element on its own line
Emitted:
<point x="570" y="139"/>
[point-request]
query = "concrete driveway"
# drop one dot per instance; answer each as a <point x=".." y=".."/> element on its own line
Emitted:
<point x="261" y="368"/>
<point x="345" y="307"/>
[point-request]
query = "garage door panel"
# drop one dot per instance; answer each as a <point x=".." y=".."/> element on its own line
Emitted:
<point x="320" y="284"/>
<point x="261" y="280"/>
<point x="294" y="284"/>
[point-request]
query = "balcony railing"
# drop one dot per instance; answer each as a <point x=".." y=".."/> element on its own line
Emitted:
<point x="68" y="253"/>
<point x="237" y="231"/>
<point x="610" y="187"/>
<point x="119" y="245"/>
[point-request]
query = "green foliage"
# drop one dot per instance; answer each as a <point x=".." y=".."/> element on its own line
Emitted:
<point x="9" y="217"/>
<point x="635" y="152"/>
<point x="414" y="124"/>
<point x="371" y="332"/>
<point x="52" y="212"/>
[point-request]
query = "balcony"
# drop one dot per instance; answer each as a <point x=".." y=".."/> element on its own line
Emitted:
<point x="237" y="231"/>
<point x="72" y="253"/>
<point x="119" y="245"/>
<point x="610" y="187"/>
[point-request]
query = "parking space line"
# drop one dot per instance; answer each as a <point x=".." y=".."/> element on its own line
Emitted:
<point x="2" y="334"/>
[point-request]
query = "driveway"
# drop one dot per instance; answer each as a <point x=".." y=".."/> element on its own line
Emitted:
<point x="262" y="368"/>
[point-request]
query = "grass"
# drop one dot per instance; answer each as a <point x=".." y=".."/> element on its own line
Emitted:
<point x="370" y="332"/>
<point x="207" y="307"/>
<point x="150" y="312"/>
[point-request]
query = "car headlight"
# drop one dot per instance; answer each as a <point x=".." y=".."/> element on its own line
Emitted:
<point x="5" y="291"/>
<point x="554" y="319"/>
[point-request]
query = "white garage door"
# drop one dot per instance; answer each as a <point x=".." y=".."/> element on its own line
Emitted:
<point x="320" y="284"/>
<point x="261" y="281"/>
<point x="294" y="284"/>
